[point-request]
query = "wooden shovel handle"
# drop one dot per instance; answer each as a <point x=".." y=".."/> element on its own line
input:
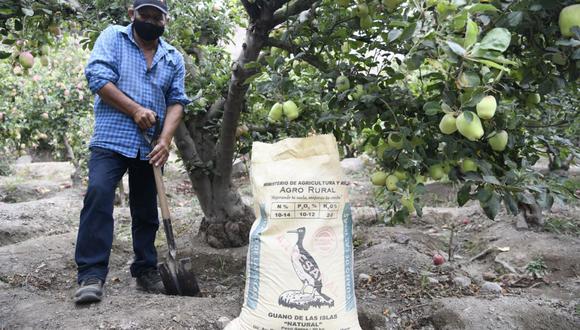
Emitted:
<point x="161" y="193"/>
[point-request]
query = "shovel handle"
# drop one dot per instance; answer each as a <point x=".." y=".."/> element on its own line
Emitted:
<point x="168" y="228"/>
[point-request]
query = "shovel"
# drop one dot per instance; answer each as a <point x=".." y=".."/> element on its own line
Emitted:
<point x="177" y="274"/>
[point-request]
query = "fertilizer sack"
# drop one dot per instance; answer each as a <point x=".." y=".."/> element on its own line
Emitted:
<point x="299" y="270"/>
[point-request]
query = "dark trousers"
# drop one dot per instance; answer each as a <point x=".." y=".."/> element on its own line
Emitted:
<point x="95" y="236"/>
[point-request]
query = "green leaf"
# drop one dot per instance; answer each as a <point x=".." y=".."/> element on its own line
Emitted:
<point x="545" y="200"/>
<point x="6" y="11"/>
<point x="483" y="195"/>
<point x="251" y="65"/>
<point x="431" y="108"/>
<point x="511" y="204"/>
<point x="446" y="108"/>
<point x="28" y="11"/>
<point x="497" y="39"/>
<point x="459" y="21"/>
<point x="515" y="18"/>
<point x="457" y="49"/>
<point x="471" y="33"/>
<point x="463" y="195"/>
<point x="4" y="55"/>
<point x="526" y="198"/>
<point x="468" y="79"/>
<point x="491" y="206"/>
<point x="480" y="8"/>
<point x="444" y="8"/>
<point x="491" y="179"/>
<point x="408" y="32"/>
<point x="400" y="216"/>
<point x="394" y="35"/>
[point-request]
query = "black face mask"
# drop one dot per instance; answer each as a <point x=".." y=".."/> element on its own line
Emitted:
<point x="148" y="31"/>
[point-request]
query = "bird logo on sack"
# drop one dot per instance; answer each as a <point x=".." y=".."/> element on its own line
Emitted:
<point x="309" y="274"/>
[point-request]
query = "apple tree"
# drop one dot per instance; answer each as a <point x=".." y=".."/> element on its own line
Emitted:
<point x="466" y="91"/>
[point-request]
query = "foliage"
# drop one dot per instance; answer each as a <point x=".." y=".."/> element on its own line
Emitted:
<point x="563" y="226"/>
<point x="423" y="59"/>
<point x="43" y="106"/>
<point x="537" y="268"/>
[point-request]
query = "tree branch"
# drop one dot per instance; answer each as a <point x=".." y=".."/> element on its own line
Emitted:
<point x="215" y="110"/>
<point x="252" y="9"/>
<point x="294" y="49"/>
<point x="253" y="43"/>
<point x="290" y="9"/>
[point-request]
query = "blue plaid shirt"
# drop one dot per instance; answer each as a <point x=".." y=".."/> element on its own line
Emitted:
<point x="116" y="58"/>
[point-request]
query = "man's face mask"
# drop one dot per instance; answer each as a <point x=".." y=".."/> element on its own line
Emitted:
<point x="148" y="31"/>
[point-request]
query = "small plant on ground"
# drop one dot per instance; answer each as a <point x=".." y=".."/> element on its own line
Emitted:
<point x="537" y="268"/>
<point x="562" y="226"/>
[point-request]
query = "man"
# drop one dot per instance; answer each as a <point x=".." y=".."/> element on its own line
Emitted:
<point x="138" y="79"/>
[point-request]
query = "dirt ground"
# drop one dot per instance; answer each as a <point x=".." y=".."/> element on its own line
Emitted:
<point x="500" y="277"/>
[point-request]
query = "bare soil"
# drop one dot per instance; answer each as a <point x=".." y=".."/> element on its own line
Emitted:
<point x="398" y="287"/>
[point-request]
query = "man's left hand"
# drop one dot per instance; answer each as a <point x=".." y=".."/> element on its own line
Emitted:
<point x="160" y="153"/>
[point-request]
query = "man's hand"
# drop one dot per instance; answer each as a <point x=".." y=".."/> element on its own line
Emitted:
<point x="144" y="118"/>
<point x="160" y="153"/>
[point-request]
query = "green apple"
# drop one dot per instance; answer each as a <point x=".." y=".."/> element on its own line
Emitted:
<point x="344" y="3"/>
<point x="417" y="141"/>
<point x="54" y="29"/>
<point x="469" y="125"/>
<point x="447" y="124"/>
<point x="342" y="83"/>
<point x="26" y="60"/>
<point x="419" y="178"/>
<point x="401" y="175"/>
<point x="276" y="112"/>
<point x="391" y="182"/>
<point x="533" y="99"/>
<point x="379" y="178"/>
<point x="366" y="22"/>
<point x="436" y="172"/>
<point x="395" y="140"/>
<point x="44" y="50"/>
<point x="44" y="60"/>
<point x="362" y="10"/>
<point x="345" y="48"/>
<point x="391" y="5"/>
<point x="468" y="165"/>
<point x="359" y="91"/>
<point x="498" y="142"/>
<point x="569" y="17"/>
<point x="446" y="167"/>
<point x="381" y="148"/>
<point x="290" y="110"/>
<point x="408" y="203"/>
<point x="486" y="107"/>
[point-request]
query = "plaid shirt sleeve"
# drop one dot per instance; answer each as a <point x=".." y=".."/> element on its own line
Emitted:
<point x="103" y="66"/>
<point x="176" y="92"/>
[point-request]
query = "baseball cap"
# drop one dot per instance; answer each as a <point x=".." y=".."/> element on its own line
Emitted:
<point x="159" y="4"/>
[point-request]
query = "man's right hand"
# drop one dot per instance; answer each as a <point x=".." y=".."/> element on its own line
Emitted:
<point x="144" y="118"/>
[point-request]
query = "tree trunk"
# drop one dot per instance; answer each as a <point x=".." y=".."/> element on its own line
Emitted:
<point x="76" y="175"/>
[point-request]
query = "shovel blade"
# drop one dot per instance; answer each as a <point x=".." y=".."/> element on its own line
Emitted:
<point x="169" y="280"/>
<point x="187" y="281"/>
